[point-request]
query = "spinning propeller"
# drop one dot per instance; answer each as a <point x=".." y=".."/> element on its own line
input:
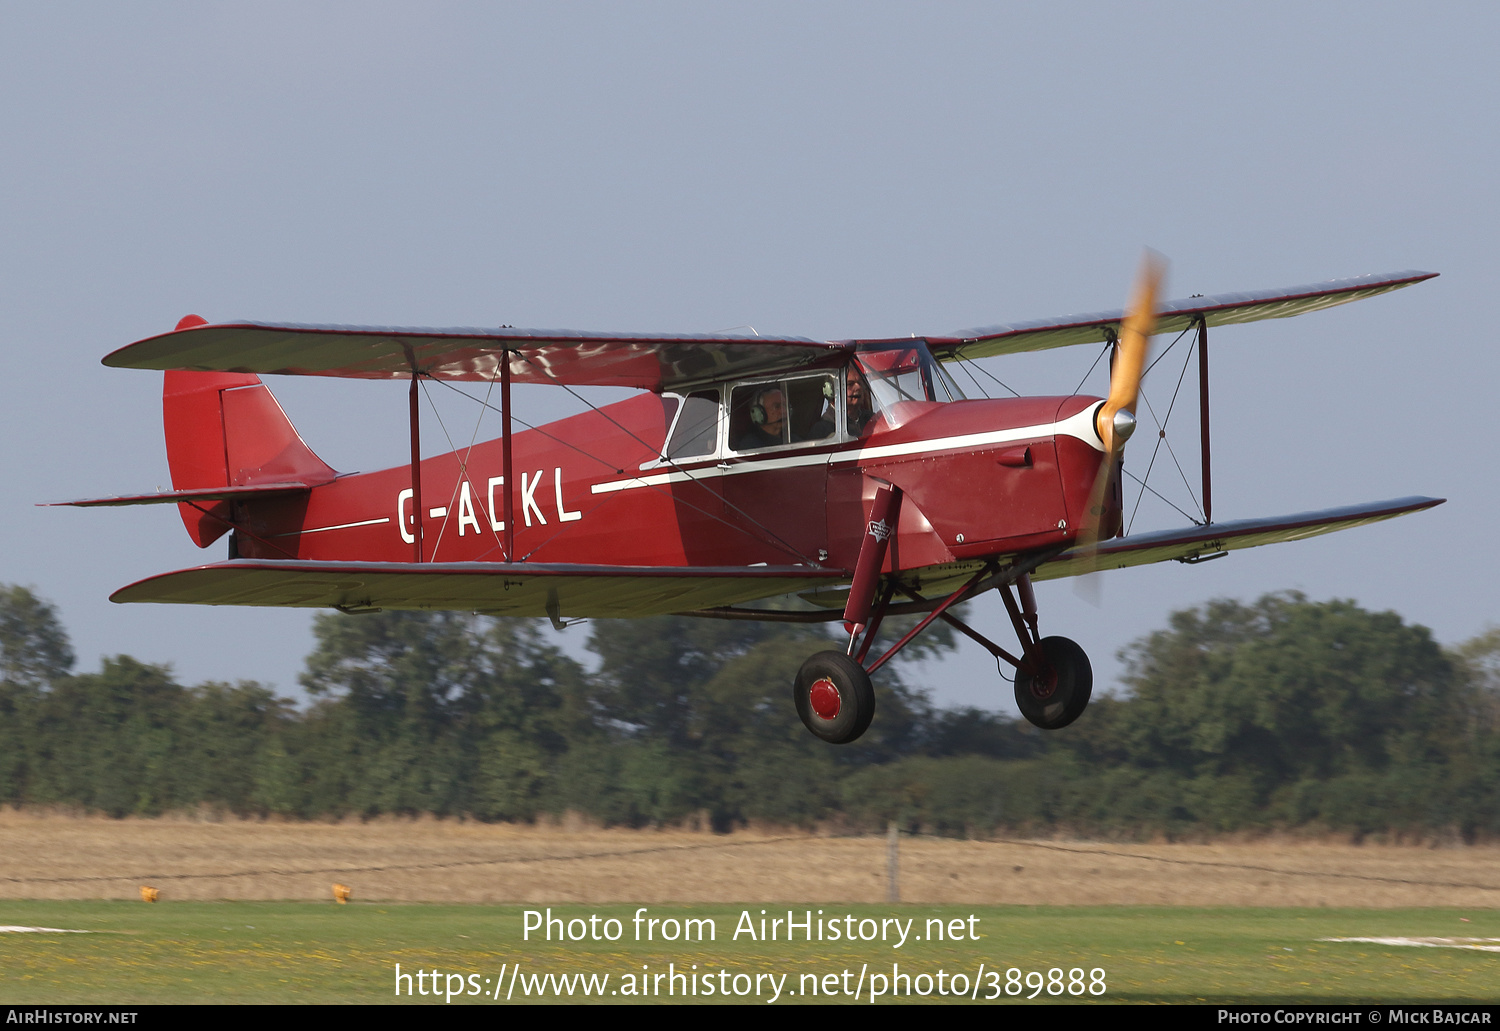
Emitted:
<point x="1114" y="420"/>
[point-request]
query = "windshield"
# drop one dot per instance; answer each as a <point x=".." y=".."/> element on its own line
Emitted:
<point x="903" y="372"/>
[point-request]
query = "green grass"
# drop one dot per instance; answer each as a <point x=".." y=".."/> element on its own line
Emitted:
<point x="302" y="952"/>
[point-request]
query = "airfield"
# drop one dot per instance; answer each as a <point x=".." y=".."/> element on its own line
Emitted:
<point x="247" y="914"/>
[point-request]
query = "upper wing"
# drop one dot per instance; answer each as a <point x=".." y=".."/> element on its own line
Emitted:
<point x="502" y="589"/>
<point x="647" y="361"/>
<point x="654" y="361"/>
<point x="1219" y="310"/>
<point x="1197" y="543"/>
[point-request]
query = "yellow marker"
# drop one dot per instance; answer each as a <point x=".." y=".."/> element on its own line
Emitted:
<point x="149" y="894"/>
<point x="342" y="893"/>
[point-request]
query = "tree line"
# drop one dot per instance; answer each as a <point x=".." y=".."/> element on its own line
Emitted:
<point x="1279" y="713"/>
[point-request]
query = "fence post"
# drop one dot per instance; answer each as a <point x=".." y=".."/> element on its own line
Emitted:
<point x="893" y="862"/>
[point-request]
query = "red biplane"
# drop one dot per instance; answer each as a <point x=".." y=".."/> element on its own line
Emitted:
<point x="853" y="475"/>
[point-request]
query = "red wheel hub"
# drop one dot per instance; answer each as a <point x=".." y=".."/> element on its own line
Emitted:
<point x="1043" y="685"/>
<point x="824" y="696"/>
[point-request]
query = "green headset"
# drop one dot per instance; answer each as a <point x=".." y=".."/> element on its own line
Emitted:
<point x="758" y="410"/>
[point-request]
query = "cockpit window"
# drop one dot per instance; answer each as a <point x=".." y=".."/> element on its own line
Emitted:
<point x="812" y="408"/>
<point x="757" y="416"/>
<point x="696" y="433"/>
<point x="796" y="410"/>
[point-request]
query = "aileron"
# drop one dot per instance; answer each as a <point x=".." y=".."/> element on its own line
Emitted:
<point x="1173" y="317"/>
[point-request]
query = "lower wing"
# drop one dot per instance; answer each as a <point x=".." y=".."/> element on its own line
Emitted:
<point x="555" y="589"/>
<point x="1201" y="543"/>
<point x="495" y="588"/>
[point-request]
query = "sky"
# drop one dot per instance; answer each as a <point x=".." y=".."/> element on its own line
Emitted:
<point x="830" y="170"/>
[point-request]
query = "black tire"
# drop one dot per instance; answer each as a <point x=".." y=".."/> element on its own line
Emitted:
<point x="834" y="697"/>
<point x="1054" y="701"/>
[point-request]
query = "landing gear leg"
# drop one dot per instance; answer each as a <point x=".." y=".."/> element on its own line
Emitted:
<point x="833" y="692"/>
<point x="1054" y="680"/>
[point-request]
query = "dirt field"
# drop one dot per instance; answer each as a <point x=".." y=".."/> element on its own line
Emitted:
<point x="54" y="856"/>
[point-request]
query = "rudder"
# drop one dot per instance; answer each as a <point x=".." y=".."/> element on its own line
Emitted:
<point x="226" y="429"/>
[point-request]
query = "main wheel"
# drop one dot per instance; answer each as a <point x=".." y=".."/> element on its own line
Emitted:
<point x="834" y="697"/>
<point x="1057" y="698"/>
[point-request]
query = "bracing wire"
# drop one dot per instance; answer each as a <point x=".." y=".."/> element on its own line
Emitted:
<point x="977" y="385"/>
<point x="1097" y="359"/>
<point x="1161" y="438"/>
<point x="966" y="363"/>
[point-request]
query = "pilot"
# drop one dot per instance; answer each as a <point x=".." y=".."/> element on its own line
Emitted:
<point x="768" y="421"/>
<point x="857" y="403"/>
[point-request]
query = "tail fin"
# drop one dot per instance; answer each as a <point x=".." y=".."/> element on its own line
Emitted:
<point x="226" y="429"/>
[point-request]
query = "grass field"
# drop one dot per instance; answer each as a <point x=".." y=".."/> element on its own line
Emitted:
<point x="321" y="952"/>
<point x="247" y="916"/>
<point x="53" y="856"/>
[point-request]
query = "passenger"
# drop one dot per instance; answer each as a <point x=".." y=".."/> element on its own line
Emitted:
<point x="768" y="420"/>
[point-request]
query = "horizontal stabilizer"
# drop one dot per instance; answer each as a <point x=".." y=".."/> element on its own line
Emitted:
<point x="259" y="490"/>
<point x="1199" y="543"/>
<point x="494" y="588"/>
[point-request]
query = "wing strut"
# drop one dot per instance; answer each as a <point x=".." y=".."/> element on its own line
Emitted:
<point x="416" y="468"/>
<point x="1208" y="493"/>
<point x="510" y="515"/>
